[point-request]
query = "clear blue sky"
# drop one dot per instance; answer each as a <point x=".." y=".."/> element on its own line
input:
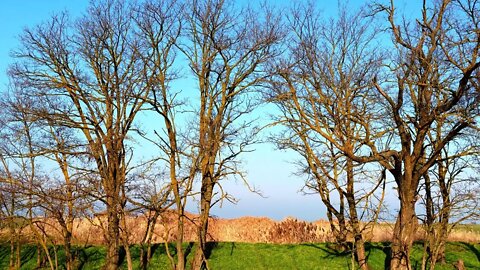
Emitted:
<point x="268" y="169"/>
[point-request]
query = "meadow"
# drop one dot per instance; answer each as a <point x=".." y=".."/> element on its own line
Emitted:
<point x="231" y="255"/>
<point x="246" y="243"/>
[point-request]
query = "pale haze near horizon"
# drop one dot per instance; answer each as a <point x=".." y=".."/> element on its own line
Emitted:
<point x="269" y="170"/>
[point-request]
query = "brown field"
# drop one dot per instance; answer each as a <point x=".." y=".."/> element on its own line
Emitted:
<point x="244" y="229"/>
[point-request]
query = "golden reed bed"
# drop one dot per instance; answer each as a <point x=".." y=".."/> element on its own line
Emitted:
<point x="244" y="229"/>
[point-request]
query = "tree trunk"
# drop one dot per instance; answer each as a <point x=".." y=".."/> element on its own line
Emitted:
<point x="128" y="255"/>
<point x="18" y="258"/>
<point x="39" y="256"/>
<point x="352" y="207"/>
<point x="341" y="234"/>
<point x="444" y="185"/>
<point x="12" y="254"/>
<point x="12" y="250"/>
<point x="113" y="224"/>
<point x="146" y="246"/>
<point x="441" y="250"/>
<point x="403" y="234"/>
<point x="360" y="251"/>
<point x="437" y="233"/>
<point x="359" y="243"/>
<point x="338" y="226"/>
<point x="180" y="225"/>
<point x="199" y="260"/>
<point x="68" y="254"/>
<point x="55" y="254"/>
<point x="143" y="256"/>
<point x="430" y="247"/>
<point x="125" y="236"/>
<point x="70" y="213"/>
<point x="180" y="253"/>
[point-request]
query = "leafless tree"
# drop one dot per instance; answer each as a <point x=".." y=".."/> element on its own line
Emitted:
<point x="11" y="210"/>
<point x="52" y="197"/>
<point x="164" y="102"/>
<point x="61" y="196"/>
<point x="95" y="65"/>
<point x="324" y="92"/>
<point x="448" y="194"/>
<point x="434" y="73"/>
<point x="226" y="47"/>
<point x="151" y="197"/>
<point x="11" y="201"/>
<point x="20" y="155"/>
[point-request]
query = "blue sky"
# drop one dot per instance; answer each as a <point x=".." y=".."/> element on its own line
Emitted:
<point x="16" y="15"/>
<point x="268" y="169"/>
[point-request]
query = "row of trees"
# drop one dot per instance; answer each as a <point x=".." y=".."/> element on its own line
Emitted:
<point x="358" y="108"/>
<point x="350" y="101"/>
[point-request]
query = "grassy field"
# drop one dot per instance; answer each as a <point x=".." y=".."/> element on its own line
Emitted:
<point x="263" y="256"/>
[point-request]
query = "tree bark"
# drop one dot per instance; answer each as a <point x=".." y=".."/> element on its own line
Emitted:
<point x="18" y="258"/>
<point x="146" y="246"/>
<point x="199" y="260"/>
<point x="403" y="234"/>
<point x="354" y="222"/>
<point x="446" y="209"/>
<point x="430" y="239"/>
<point x="128" y="255"/>
<point x="360" y="251"/>
<point x="113" y="232"/>
<point x="12" y="254"/>
<point x="68" y="246"/>
<point x="14" y="243"/>
<point x="179" y="245"/>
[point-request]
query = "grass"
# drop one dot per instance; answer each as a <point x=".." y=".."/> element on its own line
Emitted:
<point x="474" y="228"/>
<point x="262" y="256"/>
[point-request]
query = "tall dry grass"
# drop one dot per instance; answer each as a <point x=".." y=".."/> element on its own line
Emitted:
<point x="244" y="229"/>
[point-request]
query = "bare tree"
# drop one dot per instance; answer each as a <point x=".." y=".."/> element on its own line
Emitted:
<point x="51" y="195"/>
<point x="11" y="210"/>
<point x="448" y="194"/>
<point x="11" y="200"/>
<point x="151" y="197"/>
<point x="226" y="47"/>
<point x="58" y="196"/>
<point x="324" y="92"/>
<point x="165" y="103"/>
<point x="21" y="131"/>
<point x="96" y="66"/>
<point x="433" y="74"/>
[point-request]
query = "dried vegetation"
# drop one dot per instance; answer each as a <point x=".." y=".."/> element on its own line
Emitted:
<point x="244" y="229"/>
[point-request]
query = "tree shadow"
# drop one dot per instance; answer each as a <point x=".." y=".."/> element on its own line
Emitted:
<point x="233" y="247"/>
<point x="153" y="248"/>
<point x="382" y="246"/>
<point x="4" y="252"/>
<point x="121" y="255"/>
<point x="82" y="256"/>
<point x="189" y="249"/>
<point x="472" y="248"/>
<point x="331" y="249"/>
<point x="28" y="252"/>
<point x="209" y="246"/>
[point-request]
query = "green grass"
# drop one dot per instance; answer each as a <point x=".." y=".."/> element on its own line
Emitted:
<point x="233" y="256"/>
